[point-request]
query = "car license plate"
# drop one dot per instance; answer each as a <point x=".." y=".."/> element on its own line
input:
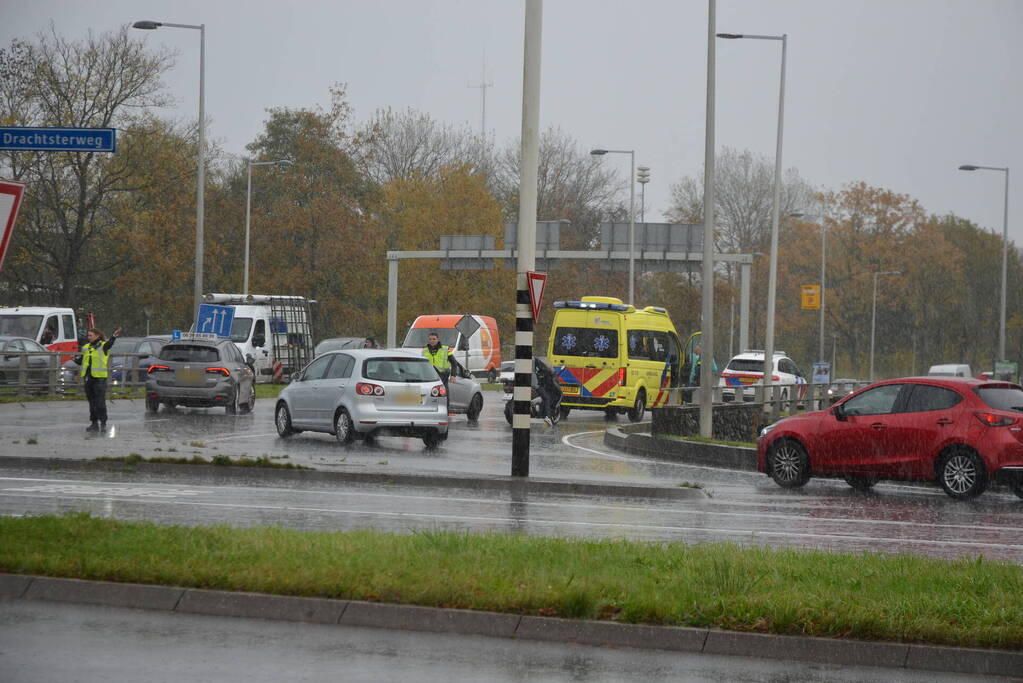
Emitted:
<point x="190" y="377"/>
<point x="409" y="397"/>
<point x="571" y="390"/>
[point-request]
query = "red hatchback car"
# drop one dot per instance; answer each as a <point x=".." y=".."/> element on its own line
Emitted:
<point x="961" y="432"/>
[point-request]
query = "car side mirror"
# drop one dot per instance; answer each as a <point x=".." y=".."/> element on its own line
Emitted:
<point x="296" y="377"/>
<point x="259" y="340"/>
<point x="249" y="360"/>
<point x="839" y="412"/>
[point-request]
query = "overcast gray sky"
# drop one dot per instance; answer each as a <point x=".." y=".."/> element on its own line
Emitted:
<point x="897" y="93"/>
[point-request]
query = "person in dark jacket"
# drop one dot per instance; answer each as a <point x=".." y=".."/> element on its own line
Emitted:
<point x="95" y="363"/>
<point x="547" y="388"/>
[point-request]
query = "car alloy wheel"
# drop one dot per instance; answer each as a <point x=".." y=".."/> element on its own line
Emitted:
<point x="250" y="405"/>
<point x="344" y="430"/>
<point x="962" y="474"/>
<point x="788" y="464"/>
<point x="283" y="420"/>
<point x="475" y="408"/>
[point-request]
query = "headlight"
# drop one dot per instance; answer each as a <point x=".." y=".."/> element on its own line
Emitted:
<point x="767" y="428"/>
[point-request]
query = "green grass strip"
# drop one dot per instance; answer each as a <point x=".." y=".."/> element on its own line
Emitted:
<point x="976" y="602"/>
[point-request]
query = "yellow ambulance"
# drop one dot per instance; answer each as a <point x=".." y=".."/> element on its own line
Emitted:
<point x="610" y="356"/>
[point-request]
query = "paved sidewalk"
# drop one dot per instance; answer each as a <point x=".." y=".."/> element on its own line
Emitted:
<point x="467" y="622"/>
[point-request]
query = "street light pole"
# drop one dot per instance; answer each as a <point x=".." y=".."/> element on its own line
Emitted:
<point x="632" y="212"/>
<point x="248" y="211"/>
<point x="1005" y="251"/>
<point x="772" y="280"/>
<point x="642" y="177"/>
<point x="873" y="317"/>
<point x="201" y="179"/>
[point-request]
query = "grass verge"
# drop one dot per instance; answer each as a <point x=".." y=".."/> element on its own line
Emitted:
<point x="217" y="460"/>
<point x="975" y="603"/>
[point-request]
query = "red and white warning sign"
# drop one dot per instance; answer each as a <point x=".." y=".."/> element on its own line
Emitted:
<point x="11" y="193"/>
<point x="536" y="283"/>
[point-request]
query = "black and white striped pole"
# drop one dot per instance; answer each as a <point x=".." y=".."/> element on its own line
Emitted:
<point x="527" y="236"/>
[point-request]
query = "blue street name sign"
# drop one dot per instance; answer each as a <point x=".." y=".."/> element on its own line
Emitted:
<point x="59" y="139"/>
<point x="215" y="319"/>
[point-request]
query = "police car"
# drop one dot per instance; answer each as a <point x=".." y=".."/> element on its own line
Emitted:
<point x="746" y="370"/>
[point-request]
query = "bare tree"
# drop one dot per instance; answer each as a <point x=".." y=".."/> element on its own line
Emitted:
<point x="103" y="81"/>
<point x="571" y="183"/>
<point x="408" y="144"/>
<point x="744" y="199"/>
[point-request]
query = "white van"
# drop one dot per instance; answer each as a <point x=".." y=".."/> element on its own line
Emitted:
<point x="275" y="330"/>
<point x="54" y="328"/>
<point x="950" y="370"/>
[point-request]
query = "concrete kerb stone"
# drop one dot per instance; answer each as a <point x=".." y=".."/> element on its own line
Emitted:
<point x="965" y="660"/>
<point x="262" y="606"/>
<point x="604" y="633"/>
<point x="823" y="650"/>
<point x="551" y="629"/>
<point x="633" y="439"/>
<point x="14" y="585"/>
<point x="412" y="618"/>
<point x="515" y="485"/>
<point x="138" y="596"/>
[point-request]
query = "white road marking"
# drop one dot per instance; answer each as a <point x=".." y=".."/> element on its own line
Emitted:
<point x="241" y="436"/>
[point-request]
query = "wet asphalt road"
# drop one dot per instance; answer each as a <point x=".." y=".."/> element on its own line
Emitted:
<point x="45" y="641"/>
<point x="742" y="507"/>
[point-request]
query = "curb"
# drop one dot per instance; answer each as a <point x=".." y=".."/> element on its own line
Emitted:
<point x="498" y="625"/>
<point x="482" y="482"/>
<point x="630" y="440"/>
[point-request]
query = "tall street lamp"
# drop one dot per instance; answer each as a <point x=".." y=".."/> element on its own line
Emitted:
<point x="248" y="211"/>
<point x="873" y="316"/>
<point x="1005" y="249"/>
<point x="632" y="211"/>
<point x="201" y="180"/>
<point x="772" y="280"/>
<point x="642" y="177"/>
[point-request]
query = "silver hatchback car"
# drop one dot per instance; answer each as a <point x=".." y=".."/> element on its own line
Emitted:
<point x="363" y="393"/>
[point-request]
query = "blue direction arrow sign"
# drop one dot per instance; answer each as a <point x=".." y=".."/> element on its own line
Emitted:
<point x="59" y="139"/>
<point x="215" y="319"/>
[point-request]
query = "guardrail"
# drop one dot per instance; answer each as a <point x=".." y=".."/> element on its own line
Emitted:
<point x="777" y="398"/>
<point x="28" y="373"/>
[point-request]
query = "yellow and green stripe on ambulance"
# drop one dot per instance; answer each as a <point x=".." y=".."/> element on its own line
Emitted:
<point x="610" y="356"/>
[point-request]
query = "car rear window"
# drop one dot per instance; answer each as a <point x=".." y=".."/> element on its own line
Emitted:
<point x="1002" y="397"/>
<point x="586" y="341"/>
<point x="746" y="365"/>
<point x="399" y="370"/>
<point x="189" y="353"/>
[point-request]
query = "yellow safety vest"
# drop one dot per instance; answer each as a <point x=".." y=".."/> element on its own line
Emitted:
<point x="93" y="356"/>
<point x="439" y="359"/>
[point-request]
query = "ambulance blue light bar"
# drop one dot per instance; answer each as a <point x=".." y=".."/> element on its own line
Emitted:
<point x="592" y="305"/>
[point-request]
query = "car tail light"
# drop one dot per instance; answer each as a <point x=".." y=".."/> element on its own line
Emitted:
<point x="995" y="420"/>
<point x="158" y="368"/>
<point x="367" y="389"/>
<point x="621" y="377"/>
<point x="222" y="371"/>
<point x="438" y="391"/>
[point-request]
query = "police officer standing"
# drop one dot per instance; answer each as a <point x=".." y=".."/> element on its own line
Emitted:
<point x="94" y="362"/>
<point x="439" y="356"/>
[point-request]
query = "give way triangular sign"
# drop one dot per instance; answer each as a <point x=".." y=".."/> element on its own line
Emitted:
<point x="536" y="282"/>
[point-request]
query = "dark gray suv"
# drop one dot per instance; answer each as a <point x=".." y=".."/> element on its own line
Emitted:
<point x="201" y="372"/>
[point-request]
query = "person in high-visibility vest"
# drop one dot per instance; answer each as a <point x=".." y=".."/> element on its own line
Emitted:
<point x="439" y="356"/>
<point x="95" y="363"/>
